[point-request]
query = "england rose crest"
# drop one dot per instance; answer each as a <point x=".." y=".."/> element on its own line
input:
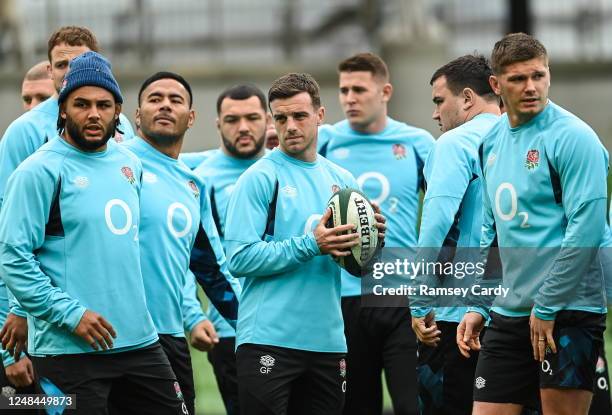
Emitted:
<point x="399" y="151"/>
<point x="194" y="188"/>
<point x="533" y="159"/>
<point x="118" y="137"/>
<point x="129" y="175"/>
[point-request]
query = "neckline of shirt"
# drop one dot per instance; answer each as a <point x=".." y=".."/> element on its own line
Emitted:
<point x="238" y="161"/>
<point x="389" y="125"/>
<point x="535" y="119"/>
<point x="155" y="152"/>
<point x="84" y="153"/>
<point x="299" y="163"/>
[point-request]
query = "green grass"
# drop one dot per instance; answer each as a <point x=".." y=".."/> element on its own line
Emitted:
<point x="208" y="400"/>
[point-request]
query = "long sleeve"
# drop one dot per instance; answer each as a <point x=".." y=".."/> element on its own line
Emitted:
<point x="16" y="145"/>
<point x="582" y="166"/>
<point x="192" y="309"/>
<point x="7" y="359"/>
<point x="24" y="214"/>
<point x="489" y="251"/>
<point x="250" y="254"/>
<point x="448" y="173"/>
<point x="209" y="266"/>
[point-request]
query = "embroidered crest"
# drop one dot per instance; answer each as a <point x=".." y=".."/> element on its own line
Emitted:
<point x="399" y="151"/>
<point x="118" y="137"/>
<point x="129" y="175"/>
<point x="194" y="188"/>
<point x="177" y="390"/>
<point x="335" y="188"/>
<point x="342" y="368"/>
<point x="533" y="159"/>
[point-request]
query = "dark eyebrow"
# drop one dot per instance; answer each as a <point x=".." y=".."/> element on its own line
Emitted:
<point x="174" y="95"/>
<point x="437" y="100"/>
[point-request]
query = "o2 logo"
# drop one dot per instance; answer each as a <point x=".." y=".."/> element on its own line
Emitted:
<point x="383" y="184"/>
<point x="508" y="215"/>
<point x="120" y="204"/>
<point x="124" y="227"/>
<point x="170" y="219"/>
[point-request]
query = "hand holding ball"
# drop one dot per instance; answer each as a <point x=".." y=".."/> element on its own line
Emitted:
<point x="350" y="207"/>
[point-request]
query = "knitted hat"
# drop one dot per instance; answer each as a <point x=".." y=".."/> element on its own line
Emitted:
<point x="90" y="69"/>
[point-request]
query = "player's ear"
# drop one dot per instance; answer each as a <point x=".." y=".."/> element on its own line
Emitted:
<point x="494" y="82"/>
<point x="218" y="124"/>
<point x="469" y="98"/>
<point x="117" y="110"/>
<point x="191" y="120"/>
<point x="320" y="115"/>
<point x="387" y="92"/>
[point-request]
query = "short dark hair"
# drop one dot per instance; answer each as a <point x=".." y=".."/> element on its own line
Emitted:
<point x="241" y="92"/>
<point x="292" y="84"/>
<point x="166" y="75"/>
<point x="365" y="62"/>
<point x="72" y="36"/>
<point x="516" y="47"/>
<point x="468" y="71"/>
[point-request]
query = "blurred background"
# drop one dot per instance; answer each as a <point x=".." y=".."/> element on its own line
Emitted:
<point x="218" y="43"/>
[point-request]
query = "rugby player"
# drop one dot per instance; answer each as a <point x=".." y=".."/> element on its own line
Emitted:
<point x="271" y="136"/>
<point x="176" y="215"/>
<point x="70" y="255"/>
<point x="18" y="376"/>
<point x="465" y="108"/>
<point x="544" y="186"/>
<point x="290" y="354"/>
<point x="241" y="122"/>
<point x="386" y="156"/>
<point x="23" y="137"/>
<point x="37" y="86"/>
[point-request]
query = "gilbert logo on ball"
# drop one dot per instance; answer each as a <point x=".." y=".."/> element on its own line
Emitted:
<point x="350" y="206"/>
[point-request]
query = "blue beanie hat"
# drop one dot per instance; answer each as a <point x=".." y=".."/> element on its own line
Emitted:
<point x="90" y="69"/>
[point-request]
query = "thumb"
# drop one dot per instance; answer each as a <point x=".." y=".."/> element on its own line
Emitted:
<point x="325" y="216"/>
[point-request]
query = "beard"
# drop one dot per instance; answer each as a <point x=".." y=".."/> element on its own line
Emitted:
<point x="75" y="132"/>
<point x="259" y="143"/>
<point x="161" y="139"/>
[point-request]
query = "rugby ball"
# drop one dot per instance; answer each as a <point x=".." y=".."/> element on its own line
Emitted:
<point x="351" y="206"/>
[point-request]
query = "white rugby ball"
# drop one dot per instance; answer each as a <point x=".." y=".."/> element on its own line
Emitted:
<point x="351" y="206"/>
